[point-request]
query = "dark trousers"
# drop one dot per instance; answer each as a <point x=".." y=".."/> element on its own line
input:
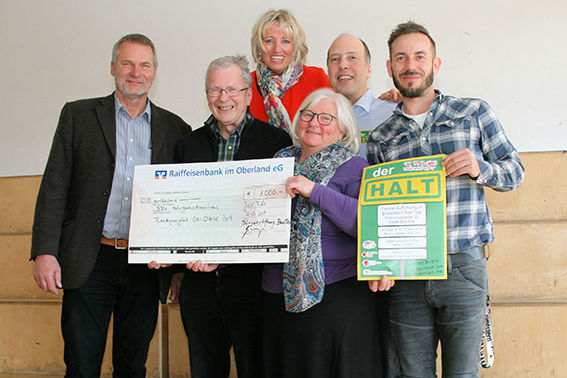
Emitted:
<point x="219" y="310"/>
<point x="336" y="338"/>
<point x="130" y="292"/>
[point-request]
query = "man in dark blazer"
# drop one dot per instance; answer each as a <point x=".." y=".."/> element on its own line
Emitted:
<point x="220" y="307"/>
<point x="81" y="225"/>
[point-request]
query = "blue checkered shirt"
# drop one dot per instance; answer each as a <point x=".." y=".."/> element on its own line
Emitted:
<point x="453" y="124"/>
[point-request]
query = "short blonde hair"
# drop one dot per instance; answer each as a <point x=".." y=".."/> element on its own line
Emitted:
<point x="288" y="24"/>
<point x="345" y="117"/>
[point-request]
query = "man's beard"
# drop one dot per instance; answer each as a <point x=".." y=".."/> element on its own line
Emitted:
<point x="123" y="88"/>
<point x="413" y="92"/>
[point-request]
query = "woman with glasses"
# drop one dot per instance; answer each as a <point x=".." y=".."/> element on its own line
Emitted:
<point x="318" y="320"/>
<point x="281" y="80"/>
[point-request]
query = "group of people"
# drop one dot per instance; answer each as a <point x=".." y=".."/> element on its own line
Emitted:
<point x="309" y="317"/>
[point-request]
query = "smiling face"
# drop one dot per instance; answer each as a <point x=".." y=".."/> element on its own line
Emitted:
<point x="348" y="67"/>
<point x="228" y="111"/>
<point x="313" y="136"/>
<point x="134" y="70"/>
<point x="277" y="53"/>
<point x="413" y="64"/>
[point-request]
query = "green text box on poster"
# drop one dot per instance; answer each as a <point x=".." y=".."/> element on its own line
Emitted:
<point x="402" y="222"/>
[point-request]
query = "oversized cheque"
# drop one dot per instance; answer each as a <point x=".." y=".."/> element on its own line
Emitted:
<point x="222" y="212"/>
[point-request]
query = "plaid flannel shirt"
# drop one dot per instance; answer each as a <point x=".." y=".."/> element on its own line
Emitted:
<point x="453" y="124"/>
<point x="228" y="148"/>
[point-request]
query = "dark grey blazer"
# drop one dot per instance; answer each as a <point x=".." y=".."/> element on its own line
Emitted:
<point x="72" y="200"/>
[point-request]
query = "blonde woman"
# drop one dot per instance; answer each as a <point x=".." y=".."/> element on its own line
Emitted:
<point x="281" y="80"/>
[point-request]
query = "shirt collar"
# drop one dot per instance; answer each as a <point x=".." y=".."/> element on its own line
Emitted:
<point x="438" y="99"/>
<point x="213" y="124"/>
<point x="365" y="101"/>
<point x="118" y="107"/>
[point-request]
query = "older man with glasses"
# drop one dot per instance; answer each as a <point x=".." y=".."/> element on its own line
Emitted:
<point x="220" y="305"/>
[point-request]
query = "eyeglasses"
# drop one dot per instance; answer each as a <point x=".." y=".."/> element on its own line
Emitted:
<point x="323" y="118"/>
<point x="230" y="92"/>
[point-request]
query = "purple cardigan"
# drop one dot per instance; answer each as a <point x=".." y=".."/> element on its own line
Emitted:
<point x="338" y="202"/>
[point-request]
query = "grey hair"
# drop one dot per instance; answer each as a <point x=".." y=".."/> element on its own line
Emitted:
<point x="345" y="117"/>
<point x="225" y="61"/>
<point x="134" y="38"/>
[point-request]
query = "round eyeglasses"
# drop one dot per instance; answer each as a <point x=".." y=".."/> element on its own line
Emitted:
<point x="323" y="118"/>
<point x="230" y="92"/>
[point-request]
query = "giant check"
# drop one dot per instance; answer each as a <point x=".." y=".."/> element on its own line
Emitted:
<point x="223" y="212"/>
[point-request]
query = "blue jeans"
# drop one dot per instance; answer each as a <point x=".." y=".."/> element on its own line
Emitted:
<point x="422" y="313"/>
<point x="390" y="362"/>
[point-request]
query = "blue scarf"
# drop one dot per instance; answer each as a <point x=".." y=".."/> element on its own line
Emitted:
<point x="304" y="274"/>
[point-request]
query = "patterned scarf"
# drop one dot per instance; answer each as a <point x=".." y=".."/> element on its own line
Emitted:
<point x="274" y="87"/>
<point x="304" y="275"/>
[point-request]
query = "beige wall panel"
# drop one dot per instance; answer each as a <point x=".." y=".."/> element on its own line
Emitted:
<point x="152" y="364"/>
<point x="24" y="322"/>
<point x="178" y="350"/>
<point x="531" y="201"/>
<point x="17" y="203"/>
<point x="528" y="262"/>
<point x="530" y="342"/>
<point x="15" y="250"/>
<point x="31" y="341"/>
<point x="542" y="195"/>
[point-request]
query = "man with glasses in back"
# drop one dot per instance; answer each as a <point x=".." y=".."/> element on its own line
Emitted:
<point x="220" y="305"/>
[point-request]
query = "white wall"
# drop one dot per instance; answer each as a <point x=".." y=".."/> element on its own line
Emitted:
<point x="510" y="53"/>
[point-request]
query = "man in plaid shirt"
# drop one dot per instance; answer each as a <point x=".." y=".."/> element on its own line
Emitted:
<point x="478" y="154"/>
